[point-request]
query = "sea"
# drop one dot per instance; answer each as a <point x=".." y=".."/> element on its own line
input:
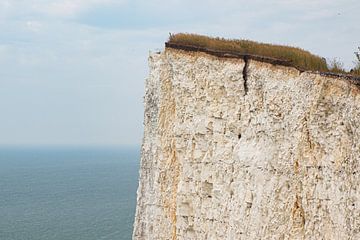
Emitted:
<point x="68" y="193"/>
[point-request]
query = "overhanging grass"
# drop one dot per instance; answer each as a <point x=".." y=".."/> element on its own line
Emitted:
<point x="297" y="56"/>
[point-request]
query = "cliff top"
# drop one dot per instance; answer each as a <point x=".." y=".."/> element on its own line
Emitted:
<point x="277" y="54"/>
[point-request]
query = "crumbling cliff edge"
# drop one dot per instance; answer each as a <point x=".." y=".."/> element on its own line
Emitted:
<point x="242" y="148"/>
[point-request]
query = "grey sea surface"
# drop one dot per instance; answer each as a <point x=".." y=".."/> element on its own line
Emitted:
<point x="61" y="194"/>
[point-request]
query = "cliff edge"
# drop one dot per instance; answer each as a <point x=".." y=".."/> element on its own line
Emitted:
<point x="238" y="148"/>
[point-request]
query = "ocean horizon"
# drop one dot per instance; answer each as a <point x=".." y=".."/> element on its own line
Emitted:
<point x="68" y="193"/>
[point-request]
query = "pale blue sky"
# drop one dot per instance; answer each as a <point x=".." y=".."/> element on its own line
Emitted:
<point x="72" y="71"/>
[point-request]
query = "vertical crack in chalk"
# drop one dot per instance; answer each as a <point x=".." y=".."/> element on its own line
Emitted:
<point x="245" y="74"/>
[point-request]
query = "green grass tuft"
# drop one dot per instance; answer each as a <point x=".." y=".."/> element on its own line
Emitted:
<point x="336" y="66"/>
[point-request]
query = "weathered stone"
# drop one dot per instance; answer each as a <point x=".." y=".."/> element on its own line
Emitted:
<point x="279" y="161"/>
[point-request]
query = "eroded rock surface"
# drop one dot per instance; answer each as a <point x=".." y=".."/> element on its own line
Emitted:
<point x="277" y="161"/>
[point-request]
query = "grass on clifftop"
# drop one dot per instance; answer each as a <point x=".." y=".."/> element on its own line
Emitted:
<point x="297" y="56"/>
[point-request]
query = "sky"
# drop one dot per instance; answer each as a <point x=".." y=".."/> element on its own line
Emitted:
<point x="72" y="71"/>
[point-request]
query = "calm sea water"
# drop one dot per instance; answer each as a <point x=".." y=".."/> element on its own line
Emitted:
<point x="61" y="194"/>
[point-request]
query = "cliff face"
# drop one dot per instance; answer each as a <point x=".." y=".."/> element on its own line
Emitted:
<point x="247" y="150"/>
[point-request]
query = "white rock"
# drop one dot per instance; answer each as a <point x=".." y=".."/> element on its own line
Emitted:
<point x="280" y="162"/>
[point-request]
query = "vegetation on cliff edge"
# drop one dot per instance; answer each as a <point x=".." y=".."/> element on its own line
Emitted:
<point x="356" y="69"/>
<point x="296" y="56"/>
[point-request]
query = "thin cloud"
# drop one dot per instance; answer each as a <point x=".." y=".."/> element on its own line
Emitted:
<point x="51" y="8"/>
<point x="70" y="8"/>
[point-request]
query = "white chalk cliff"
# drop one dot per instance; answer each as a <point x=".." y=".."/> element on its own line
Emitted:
<point x="238" y="149"/>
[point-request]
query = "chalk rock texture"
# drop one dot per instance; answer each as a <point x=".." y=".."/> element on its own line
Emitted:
<point x="262" y="152"/>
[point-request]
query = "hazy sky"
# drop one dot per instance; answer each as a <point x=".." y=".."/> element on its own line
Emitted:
<point x="72" y="71"/>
